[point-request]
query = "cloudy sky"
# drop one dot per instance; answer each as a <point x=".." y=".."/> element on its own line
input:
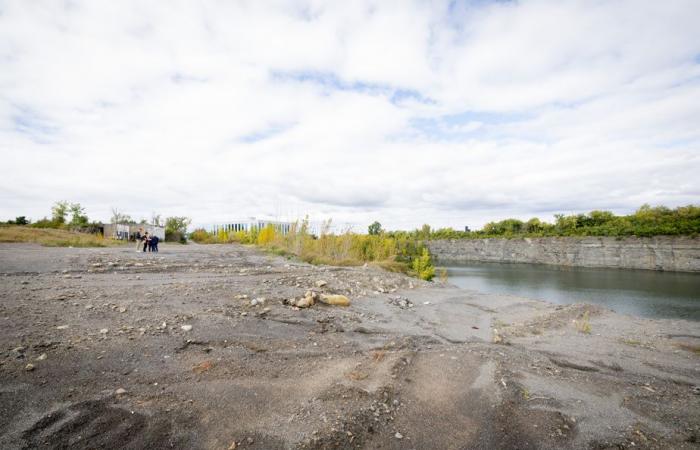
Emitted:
<point x="448" y="113"/>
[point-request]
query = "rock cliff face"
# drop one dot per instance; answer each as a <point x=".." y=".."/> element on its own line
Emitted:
<point x="680" y="254"/>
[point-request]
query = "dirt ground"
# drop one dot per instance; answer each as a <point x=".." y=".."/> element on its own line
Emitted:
<point x="195" y="347"/>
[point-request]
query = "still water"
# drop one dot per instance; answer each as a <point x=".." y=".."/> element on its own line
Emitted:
<point x="638" y="292"/>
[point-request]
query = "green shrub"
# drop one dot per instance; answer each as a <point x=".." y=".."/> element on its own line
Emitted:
<point x="423" y="266"/>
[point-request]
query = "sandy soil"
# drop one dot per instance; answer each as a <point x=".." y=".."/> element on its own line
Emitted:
<point x="97" y="352"/>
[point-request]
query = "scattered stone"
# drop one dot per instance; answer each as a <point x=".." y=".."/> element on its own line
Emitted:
<point x="62" y="327"/>
<point x="398" y="435"/>
<point x="42" y="357"/>
<point x="304" y="302"/>
<point x="29" y="367"/>
<point x="401" y="302"/>
<point x="497" y="339"/>
<point x="240" y="297"/>
<point x="186" y="327"/>
<point x="122" y="309"/>
<point x="120" y="391"/>
<point x="257" y="301"/>
<point x="244" y="313"/>
<point x="320" y="283"/>
<point x="104" y="331"/>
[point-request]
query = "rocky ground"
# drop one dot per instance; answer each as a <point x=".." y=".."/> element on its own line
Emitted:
<point x="198" y="347"/>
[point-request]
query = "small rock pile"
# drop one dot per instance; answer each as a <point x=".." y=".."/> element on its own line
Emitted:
<point x="401" y="302"/>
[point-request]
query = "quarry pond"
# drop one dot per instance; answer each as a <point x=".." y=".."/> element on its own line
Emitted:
<point x="644" y="293"/>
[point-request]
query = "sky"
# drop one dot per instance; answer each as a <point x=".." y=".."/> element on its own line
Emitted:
<point x="451" y="113"/>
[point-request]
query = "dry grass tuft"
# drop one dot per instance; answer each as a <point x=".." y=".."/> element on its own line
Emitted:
<point x="689" y="348"/>
<point x="378" y="355"/>
<point x="357" y="375"/>
<point x="51" y="237"/>
<point x="583" y="325"/>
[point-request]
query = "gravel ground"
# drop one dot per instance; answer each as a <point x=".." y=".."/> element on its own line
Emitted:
<point x="198" y="347"/>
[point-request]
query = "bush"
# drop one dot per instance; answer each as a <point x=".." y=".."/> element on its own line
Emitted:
<point x="266" y="235"/>
<point x="176" y="229"/>
<point x="646" y="221"/>
<point x="423" y="266"/>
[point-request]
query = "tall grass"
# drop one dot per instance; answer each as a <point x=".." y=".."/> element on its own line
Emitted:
<point x="398" y="254"/>
<point x="51" y="237"/>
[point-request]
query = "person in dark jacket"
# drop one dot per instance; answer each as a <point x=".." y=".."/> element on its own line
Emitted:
<point x="154" y="243"/>
<point x="146" y="241"/>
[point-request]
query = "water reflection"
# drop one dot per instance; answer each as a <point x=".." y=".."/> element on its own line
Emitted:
<point x="637" y="292"/>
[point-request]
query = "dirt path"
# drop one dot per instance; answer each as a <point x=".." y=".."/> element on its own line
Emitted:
<point x="110" y="348"/>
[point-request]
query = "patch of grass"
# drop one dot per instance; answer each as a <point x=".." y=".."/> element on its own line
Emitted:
<point x="357" y="375"/>
<point x="689" y="348"/>
<point x="50" y="237"/>
<point x="583" y="325"/>
<point x="632" y="342"/>
<point x="378" y="355"/>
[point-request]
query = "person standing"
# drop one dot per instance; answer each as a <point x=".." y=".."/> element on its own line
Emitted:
<point x="137" y="237"/>
<point x="146" y="241"/>
<point x="154" y="243"/>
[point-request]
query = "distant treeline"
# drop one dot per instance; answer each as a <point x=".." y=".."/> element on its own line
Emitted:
<point x="71" y="216"/>
<point x="646" y="221"/>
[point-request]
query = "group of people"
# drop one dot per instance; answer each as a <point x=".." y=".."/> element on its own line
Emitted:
<point x="149" y="242"/>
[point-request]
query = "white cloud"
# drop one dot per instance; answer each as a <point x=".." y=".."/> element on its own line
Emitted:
<point x="452" y="114"/>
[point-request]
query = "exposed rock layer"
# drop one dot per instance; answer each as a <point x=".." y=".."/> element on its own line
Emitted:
<point x="668" y="253"/>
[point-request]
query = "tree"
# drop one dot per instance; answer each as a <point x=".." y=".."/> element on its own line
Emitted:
<point x="59" y="211"/>
<point x="156" y="219"/>
<point x="118" y="217"/>
<point x="78" y="216"/>
<point x="176" y="228"/>
<point x="375" y="229"/>
<point x="21" y="220"/>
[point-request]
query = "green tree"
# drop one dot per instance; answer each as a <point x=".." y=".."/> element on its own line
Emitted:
<point x="77" y="213"/>
<point x="21" y="220"/>
<point x="176" y="228"/>
<point x="375" y="229"/>
<point x="119" y="217"/>
<point x="59" y="211"/>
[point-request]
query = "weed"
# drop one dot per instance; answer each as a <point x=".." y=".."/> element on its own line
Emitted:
<point x="346" y="249"/>
<point x="378" y="355"/>
<point x="583" y="325"/>
<point x="526" y="394"/>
